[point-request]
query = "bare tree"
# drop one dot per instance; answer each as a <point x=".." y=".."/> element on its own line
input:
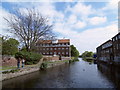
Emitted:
<point x="30" y="26"/>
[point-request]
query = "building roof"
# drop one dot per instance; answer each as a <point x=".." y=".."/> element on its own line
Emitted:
<point x="108" y="41"/>
<point x="58" y="41"/>
<point x="44" y="41"/>
<point x="63" y="40"/>
<point x="116" y="35"/>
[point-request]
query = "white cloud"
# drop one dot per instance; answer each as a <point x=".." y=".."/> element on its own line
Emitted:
<point x="72" y="19"/>
<point x="80" y="9"/>
<point x="92" y="38"/>
<point x="111" y="5"/>
<point x="80" y="24"/>
<point x="97" y="20"/>
<point x="88" y="39"/>
<point x="48" y="9"/>
<point x="3" y="24"/>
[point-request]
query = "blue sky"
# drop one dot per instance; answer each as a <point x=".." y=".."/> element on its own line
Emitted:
<point x="86" y="24"/>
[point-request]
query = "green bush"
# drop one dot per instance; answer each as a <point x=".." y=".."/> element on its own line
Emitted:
<point x="73" y="60"/>
<point x="70" y="61"/>
<point x="30" y="57"/>
<point x="19" y="55"/>
<point x="44" y="65"/>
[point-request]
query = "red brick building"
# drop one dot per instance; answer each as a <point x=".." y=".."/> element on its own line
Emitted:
<point x="59" y="47"/>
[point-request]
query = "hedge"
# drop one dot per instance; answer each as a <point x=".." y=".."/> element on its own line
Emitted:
<point x="30" y="57"/>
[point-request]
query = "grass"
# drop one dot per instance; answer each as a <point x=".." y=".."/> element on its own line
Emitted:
<point x="46" y="64"/>
<point x="7" y="68"/>
<point x="30" y="65"/>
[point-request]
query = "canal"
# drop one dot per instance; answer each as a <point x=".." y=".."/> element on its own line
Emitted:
<point x="79" y="74"/>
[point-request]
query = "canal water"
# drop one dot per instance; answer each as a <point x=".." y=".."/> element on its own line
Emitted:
<point x="80" y="74"/>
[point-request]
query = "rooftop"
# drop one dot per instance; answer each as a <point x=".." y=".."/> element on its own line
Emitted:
<point x="52" y="41"/>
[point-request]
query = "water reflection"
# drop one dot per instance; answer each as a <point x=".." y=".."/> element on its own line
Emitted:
<point x="80" y="74"/>
<point x="110" y="72"/>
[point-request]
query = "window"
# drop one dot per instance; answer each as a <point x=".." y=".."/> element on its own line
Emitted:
<point x="51" y="48"/>
<point x="62" y="52"/>
<point x="58" y="52"/>
<point x="58" y="48"/>
<point x="66" y="52"/>
<point x="66" y="48"/>
<point x="119" y="36"/>
<point x="54" y="53"/>
<point x="62" y="48"/>
<point x="113" y="39"/>
<point x="54" y="48"/>
<point x="117" y="46"/>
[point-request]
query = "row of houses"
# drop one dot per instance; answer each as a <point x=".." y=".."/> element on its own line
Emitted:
<point x="60" y="47"/>
<point x="109" y="51"/>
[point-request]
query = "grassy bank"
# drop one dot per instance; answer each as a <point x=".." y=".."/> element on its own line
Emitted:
<point x="7" y="68"/>
<point x="12" y="72"/>
<point x="48" y="64"/>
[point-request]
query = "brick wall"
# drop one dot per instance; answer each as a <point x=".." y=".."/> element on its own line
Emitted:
<point x="47" y="58"/>
<point x="9" y="61"/>
<point x="66" y="58"/>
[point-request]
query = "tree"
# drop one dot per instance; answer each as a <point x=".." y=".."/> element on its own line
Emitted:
<point x="10" y="46"/>
<point x="74" y="51"/>
<point x="87" y="54"/>
<point x="30" y="26"/>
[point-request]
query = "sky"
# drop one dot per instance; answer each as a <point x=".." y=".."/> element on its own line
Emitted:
<point x="86" y="24"/>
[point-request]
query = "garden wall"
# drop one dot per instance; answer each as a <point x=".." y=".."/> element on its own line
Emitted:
<point x="9" y="61"/>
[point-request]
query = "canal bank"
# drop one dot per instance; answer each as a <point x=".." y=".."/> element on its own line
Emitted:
<point x="31" y="69"/>
<point x="12" y="73"/>
<point x="79" y="74"/>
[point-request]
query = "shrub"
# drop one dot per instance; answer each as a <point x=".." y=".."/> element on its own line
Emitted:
<point x="44" y="65"/>
<point x="73" y="60"/>
<point x="18" y="55"/>
<point x="30" y="57"/>
<point x="70" y="61"/>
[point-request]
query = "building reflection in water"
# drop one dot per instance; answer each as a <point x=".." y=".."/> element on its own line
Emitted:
<point x="111" y="72"/>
